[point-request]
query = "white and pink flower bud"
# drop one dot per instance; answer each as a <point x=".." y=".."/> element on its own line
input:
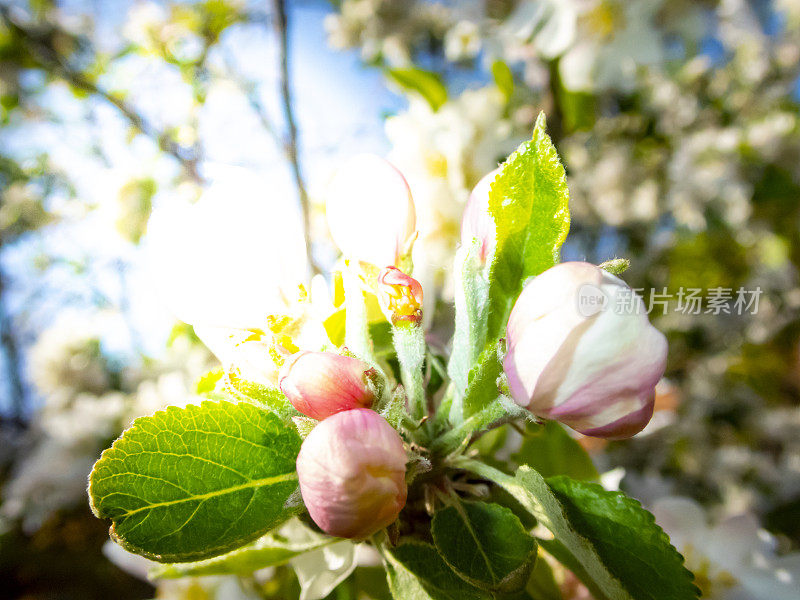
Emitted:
<point x="582" y="351"/>
<point x="352" y="469"/>
<point x="370" y="211"/>
<point x="400" y="296"/>
<point x="477" y="222"/>
<point x="321" y="384"/>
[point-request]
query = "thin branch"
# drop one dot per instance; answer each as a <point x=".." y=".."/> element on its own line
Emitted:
<point x="48" y="58"/>
<point x="280" y="24"/>
<point x="12" y="360"/>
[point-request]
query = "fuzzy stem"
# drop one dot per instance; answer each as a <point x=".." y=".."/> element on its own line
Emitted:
<point x="409" y="342"/>
<point x="499" y="412"/>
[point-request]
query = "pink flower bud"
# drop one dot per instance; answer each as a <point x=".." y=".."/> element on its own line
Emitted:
<point x="400" y="296"/>
<point x="320" y="384"/>
<point x="352" y="470"/>
<point x="477" y="222"/>
<point x="582" y="351"/>
<point x="370" y="211"/>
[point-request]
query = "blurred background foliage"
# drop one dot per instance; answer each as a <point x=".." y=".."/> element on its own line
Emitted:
<point x="677" y="120"/>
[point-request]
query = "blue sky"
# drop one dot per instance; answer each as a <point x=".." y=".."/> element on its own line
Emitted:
<point x="339" y="104"/>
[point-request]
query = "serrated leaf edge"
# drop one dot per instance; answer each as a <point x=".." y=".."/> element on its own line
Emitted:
<point x="650" y="520"/>
<point x="185" y="556"/>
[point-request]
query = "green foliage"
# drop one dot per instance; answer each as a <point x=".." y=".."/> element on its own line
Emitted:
<point x="135" y="205"/>
<point x="482" y="387"/>
<point x="469" y="337"/>
<point x="409" y="342"/>
<point x="606" y="538"/>
<point x="269" y="551"/>
<point x="195" y="482"/>
<point x="616" y="266"/>
<point x="416" y="571"/>
<point x="550" y="450"/>
<point x="208" y="382"/>
<point x="426" y="84"/>
<point x="269" y="397"/>
<point x="542" y="584"/>
<point x="626" y="537"/>
<point x="485" y="544"/>
<point x="503" y="78"/>
<point x="496" y="412"/>
<point x="529" y="202"/>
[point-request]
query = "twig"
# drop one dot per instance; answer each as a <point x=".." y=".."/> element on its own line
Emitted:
<point x="280" y="25"/>
<point x="48" y="58"/>
<point x="12" y="359"/>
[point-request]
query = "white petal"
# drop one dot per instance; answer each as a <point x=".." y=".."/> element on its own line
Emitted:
<point x="682" y="518"/>
<point x="322" y="570"/>
<point x="558" y="31"/>
<point x="232" y="258"/>
<point x="369" y="209"/>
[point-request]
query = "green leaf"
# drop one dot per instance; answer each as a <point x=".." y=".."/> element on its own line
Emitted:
<point x="625" y="535"/>
<point x="485" y="544"/>
<point x="529" y="202"/>
<point x="616" y="266"/>
<point x="418" y="81"/>
<point x="403" y="584"/>
<point x="503" y="78"/>
<point x="498" y="411"/>
<point x="268" y="397"/>
<point x="370" y="583"/>
<point x="380" y="333"/>
<point x="482" y="388"/>
<point x="606" y="538"/>
<point x="416" y="571"/>
<point x="550" y="450"/>
<point x="409" y="342"/>
<point x="471" y="301"/>
<point x="195" y="482"/>
<point x="208" y="382"/>
<point x="268" y="551"/>
<point x="435" y="374"/>
<point x="542" y="583"/>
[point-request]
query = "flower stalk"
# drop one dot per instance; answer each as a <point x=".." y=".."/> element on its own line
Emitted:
<point x="409" y="342"/>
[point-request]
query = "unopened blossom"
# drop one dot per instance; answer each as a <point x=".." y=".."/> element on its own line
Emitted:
<point x="582" y="351"/>
<point x="352" y="469"/>
<point x="477" y="222"/>
<point x="370" y="211"/>
<point x="320" y="384"/>
<point x="400" y="296"/>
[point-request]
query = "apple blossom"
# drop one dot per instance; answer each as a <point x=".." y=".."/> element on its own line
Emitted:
<point x="351" y="469"/>
<point x="370" y="211"/>
<point x="215" y="263"/>
<point x="400" y="296"/>
<point x="733" y="557"/>
<point x="577" y="355"/>
<point x="477" y="222"/>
